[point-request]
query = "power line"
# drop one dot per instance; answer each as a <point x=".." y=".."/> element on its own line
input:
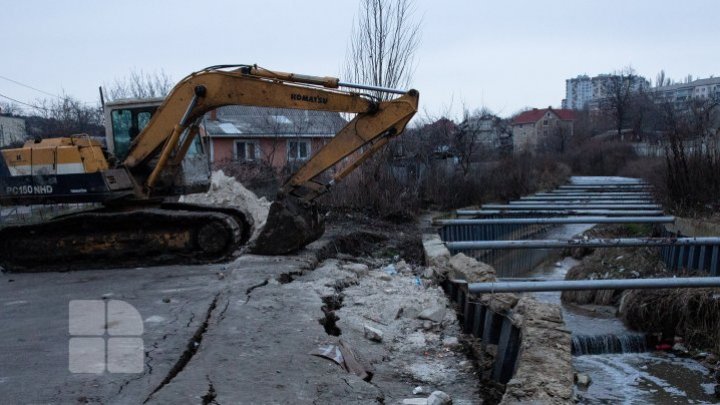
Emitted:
<point x="30" y="87"/>
<point x="24" y="103"/>
<point x="41" y="91"/>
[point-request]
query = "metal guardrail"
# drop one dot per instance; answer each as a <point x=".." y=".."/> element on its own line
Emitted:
<point x="501" y="234"/>
<point x="595" y="212"/>
<point x="591" y="243"/>
<point x="578" y="285"/>
<point x="450" y="225"/>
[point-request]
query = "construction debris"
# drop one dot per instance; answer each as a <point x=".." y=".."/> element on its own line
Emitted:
<point x="225" y="191"/>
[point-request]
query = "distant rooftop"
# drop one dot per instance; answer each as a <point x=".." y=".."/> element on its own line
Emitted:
<point x="532" y="116"/>
<point x="245" y="121"/>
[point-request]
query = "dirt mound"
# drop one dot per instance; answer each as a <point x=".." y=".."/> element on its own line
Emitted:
<point x="225" y="191"/>
<point x="693" y="314"/>
<point x="615" y="263"/>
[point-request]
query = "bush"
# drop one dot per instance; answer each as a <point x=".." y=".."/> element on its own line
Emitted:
<point x="692" y="183"/>
<point x="600" y="158"/>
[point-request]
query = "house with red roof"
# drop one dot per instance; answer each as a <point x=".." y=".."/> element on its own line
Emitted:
<point x="546" y="129"/>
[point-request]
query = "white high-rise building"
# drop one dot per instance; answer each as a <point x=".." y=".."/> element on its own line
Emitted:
<point x="585" y="92"/>
<point x="578" y="92"/>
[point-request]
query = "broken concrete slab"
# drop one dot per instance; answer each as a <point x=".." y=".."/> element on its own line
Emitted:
<point x="434" y="313"/>
<point x="439" y="398"/>
<point x="373" y="334"/>
<point x="471" y="270"/>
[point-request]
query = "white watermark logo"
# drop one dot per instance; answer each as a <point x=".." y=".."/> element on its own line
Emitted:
<point x="105" y="336"/>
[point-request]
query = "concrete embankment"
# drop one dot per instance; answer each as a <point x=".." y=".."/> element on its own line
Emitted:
<point x="543" y="370"/>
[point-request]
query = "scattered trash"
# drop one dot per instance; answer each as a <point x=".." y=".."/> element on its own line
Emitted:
<point x="374" y="334"/>
<point x="166" y="300"/>
<point x="439" y="398"/>
<point x="343" y="355"/>
<point x="418" y="282"/>
<point x="415" y="401"/>
<point x="582" y="380"/>
<point x="417" y="390"/>
<point x="679" y="347"/>
<point x="390" y="269"/>
<point x="451" y="342"/>
<point x="663" y="346"/>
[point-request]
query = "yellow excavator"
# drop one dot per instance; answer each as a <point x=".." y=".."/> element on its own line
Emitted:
<point x="154" y="152"/>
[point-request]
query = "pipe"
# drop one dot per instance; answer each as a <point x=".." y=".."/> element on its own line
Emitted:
<point x="571" y="206"/>
<point x="373" y="88"/>
<point x="561" y="213"/>
<point x="620" y="199"/>
<point x="580" y="201"/>
<point x="611" y="284"/>
<point x="559" y="220"/>
<point x="570" y="243"/>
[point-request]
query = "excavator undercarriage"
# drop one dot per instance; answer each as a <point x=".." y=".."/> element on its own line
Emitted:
<point x="167" y="233"/>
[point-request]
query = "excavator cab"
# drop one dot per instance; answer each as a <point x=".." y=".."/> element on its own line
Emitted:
<point x="125" y="119"/>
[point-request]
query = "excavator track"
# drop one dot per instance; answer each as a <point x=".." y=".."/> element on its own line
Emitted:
<point x="111" y="238"/>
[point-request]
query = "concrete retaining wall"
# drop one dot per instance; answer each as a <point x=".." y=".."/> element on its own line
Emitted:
<point x="543" y="371"/>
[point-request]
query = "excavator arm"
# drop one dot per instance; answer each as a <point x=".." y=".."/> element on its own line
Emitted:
<point x="294" y="220"/>
<point x="165" y="140"/>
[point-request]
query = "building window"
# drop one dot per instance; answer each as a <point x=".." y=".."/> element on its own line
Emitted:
<point x="545" y="122"/>
<point x="246" y="151"/>
<point x="298" y="150"/>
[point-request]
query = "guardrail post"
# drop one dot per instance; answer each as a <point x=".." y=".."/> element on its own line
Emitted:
<point x="507" y="352"/>
<point x="491" y="329"/>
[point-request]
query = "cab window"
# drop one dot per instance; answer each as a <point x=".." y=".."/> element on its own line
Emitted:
<point x="126" y="125"/>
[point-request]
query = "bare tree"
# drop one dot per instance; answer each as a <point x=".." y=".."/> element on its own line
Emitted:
<point x="619" y="89"/>
<point x="141" y="84"/>
<point x="65" y="116"/>
<point x="10" y="108"/>
<point x="383" y="44"/>
<point x="661" y="80"/>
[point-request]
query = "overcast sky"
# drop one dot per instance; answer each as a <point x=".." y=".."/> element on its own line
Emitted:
<point x="504" y="55"/>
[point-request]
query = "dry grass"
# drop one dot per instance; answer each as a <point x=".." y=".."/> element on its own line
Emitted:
<point x="692" y="314"/>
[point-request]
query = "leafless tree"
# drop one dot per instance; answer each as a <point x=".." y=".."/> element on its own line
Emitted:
<point x="140" y="84"/>
<point x="10" y="108"/>
<point x="619" y="90"/>
<point x="65" y="116"/>
<point x="382" y="44"/>
<point x="661" y="80"/>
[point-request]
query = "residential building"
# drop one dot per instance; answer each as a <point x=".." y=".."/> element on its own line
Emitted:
<point x="578" y="92"/>
<point x="586" y="92"/>
<point x="542" y="129"/>
<point x="490" y="131"/>
<point x="678" y="93"/>
<point x="277" y="136"/>
<point x="12" y="130"/>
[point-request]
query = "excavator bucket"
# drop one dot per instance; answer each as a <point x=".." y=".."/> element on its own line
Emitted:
<point x="291" y="224"/>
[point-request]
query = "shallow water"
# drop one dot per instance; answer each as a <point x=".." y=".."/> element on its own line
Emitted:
<point x="629" y="378"/>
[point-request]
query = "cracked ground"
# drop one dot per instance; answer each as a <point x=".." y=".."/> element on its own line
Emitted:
<point x="238" y="332"/>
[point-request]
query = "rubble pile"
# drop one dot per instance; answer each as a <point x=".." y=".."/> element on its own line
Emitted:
<point x="226" y="191"/>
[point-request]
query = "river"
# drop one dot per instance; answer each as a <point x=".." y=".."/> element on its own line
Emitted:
<point x="630" y="377"/>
